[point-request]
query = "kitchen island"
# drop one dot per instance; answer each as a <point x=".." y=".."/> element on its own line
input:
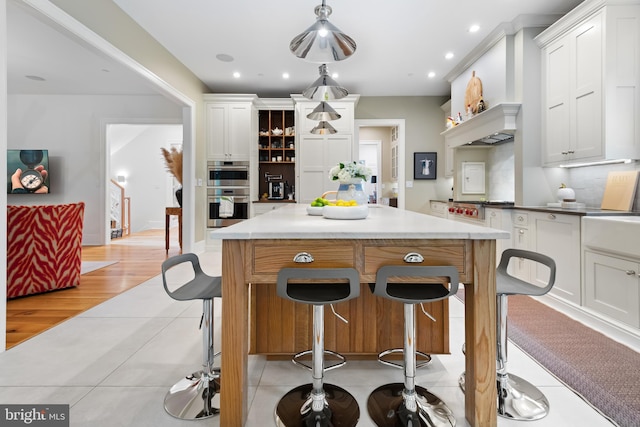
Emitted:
<point x="254" y="251"/>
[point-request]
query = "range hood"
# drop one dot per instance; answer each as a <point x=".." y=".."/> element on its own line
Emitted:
<point x="493" y="126"/>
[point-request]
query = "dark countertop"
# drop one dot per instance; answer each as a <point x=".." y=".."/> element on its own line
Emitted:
<point x="581" y="211"/>
<point x="586" y="211"/>
<point x="273" y="201"/>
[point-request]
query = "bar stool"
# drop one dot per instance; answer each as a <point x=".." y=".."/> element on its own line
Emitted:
<point x="318" y="404"/>
<point x="518" y="399"/>
<point x="192" y="397"/>
<point x="406" y="404"/>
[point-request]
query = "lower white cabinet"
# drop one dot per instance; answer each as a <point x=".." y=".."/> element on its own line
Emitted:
<point x="262" y="208"/>
<point x="499" y="219"/>
<point x="612" y="287"/>
<point x="520" y="267"/>
<point x="558" y="236"/>
<point x="439" y="209"/>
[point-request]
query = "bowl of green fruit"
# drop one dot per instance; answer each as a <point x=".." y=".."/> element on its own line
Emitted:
<point x="315" y="208"/>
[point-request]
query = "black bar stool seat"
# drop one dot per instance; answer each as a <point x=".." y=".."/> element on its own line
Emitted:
<point x="407" y="404"/>
<point x="318" y="404"/>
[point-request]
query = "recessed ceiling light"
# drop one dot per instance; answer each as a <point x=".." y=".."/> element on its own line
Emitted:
<point x="36" y="78"/>
<point x="285" y="75"/>
<point x="448" y="55"/>
<point x="224" y="57"/>
<point x="236" y="75"/>
<point x="431" y="74"/>
<point x="474" y="28"/>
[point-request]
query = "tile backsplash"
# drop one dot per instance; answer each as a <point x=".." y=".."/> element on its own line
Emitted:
<point x="589" y="183"/>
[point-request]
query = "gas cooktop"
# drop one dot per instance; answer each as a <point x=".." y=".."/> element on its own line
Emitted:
<point x="484" y="202"/>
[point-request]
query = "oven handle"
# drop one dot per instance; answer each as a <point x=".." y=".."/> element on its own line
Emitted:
<point x="236" y="199"/>
<point x="228" y="168"/>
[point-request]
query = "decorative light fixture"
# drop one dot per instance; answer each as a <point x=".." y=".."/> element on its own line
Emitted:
<point x="324" y="128"/>
<point x="323" y="42"/>
<point x="324" y="88"/>
<point x="323" y="112"/>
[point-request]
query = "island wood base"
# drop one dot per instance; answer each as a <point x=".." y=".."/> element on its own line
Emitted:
<point x="258" y="261"/>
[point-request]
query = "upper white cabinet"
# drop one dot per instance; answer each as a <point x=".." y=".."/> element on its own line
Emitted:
<point x="590" y="77"/>
<point x="231" y="126"/>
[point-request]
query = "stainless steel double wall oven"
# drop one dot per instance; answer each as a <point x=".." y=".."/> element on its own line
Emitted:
<point x="227" y="193"/>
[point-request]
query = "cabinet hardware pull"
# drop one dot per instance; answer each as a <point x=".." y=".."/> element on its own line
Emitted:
<point x="552" y="216"/>
<point x="521" y="231"/>
<point x="413" y="257"/>
<point x="564" y="152"/>
<point x="303" y="258"/>
<point x="630" y="273"/>
<point x="571" y="151"/>
<point x="520" y="218"/>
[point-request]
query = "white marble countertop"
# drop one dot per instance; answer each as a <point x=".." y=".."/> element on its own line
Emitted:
<point x="383" y="222"/>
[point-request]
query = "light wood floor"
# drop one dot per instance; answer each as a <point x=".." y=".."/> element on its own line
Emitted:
<point x="139" y="257"/>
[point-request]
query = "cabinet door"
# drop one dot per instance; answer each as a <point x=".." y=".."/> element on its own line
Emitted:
<point x="316" y="156"/>
<point x="216" y="119"/>
<point x="229" y="131"/>
<point x="240" y="132"/>
<point x="449" y="154"/>
<point x="612" y="287"/>
<point x="520" y="267"/>
<point x="558" y="236"/>
<point x="556" y="115"/>
<point x="587" y="115"/>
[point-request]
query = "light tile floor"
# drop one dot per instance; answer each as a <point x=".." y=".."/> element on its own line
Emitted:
<point x="114" y="363"/>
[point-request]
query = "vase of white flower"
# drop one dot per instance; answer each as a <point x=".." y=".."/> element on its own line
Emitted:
<point x="351" y="176"/>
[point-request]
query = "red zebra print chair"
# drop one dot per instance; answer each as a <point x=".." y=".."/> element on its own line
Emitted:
<point x="44" y="245"/>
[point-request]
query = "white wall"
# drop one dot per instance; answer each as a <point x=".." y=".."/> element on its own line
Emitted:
<point x="70" y="127"/>
<point x="147" y="181"/>
<point x="423" y="124"/>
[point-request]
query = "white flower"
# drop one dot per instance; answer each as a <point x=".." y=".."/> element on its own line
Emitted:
<point x="349" y="170"/>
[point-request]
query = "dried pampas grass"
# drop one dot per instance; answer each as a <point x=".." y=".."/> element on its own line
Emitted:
<point x="173" y="162"/>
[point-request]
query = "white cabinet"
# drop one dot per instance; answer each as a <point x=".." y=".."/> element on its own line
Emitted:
<point x="263" y="208"/>
<point x="231" y="126"/>
<point x="612" y="287"/>
<point x="591" y="93"/>
<point x="558" y="236"/>
<point x="449" y="159"/>
<point x="520" y="267"/>
<point x="317" y="154"/>
<point x="439" y="209"/>
<point x="499" y="219"/>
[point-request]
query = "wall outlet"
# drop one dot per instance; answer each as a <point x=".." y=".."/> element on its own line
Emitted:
<point x="409" y="184"/>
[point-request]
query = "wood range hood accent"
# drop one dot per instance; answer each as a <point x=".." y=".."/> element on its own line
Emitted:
<point x="491" y="127"/>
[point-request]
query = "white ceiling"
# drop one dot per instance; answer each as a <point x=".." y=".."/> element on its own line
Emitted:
<point x="399" y="42"/>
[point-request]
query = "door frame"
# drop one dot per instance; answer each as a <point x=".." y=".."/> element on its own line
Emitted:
<point x="400" y="123"/>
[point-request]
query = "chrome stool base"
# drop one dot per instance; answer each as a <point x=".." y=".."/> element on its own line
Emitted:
<point x="519" y="400"/>
<point x="194" y="397"/>
<point x="387" y="408"/>
<point x="294" y="408"/>
<point x="304" y="360"/>
<point x="422" y="358"/>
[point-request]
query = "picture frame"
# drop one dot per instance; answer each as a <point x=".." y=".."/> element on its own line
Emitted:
<point x="425" y="165"/>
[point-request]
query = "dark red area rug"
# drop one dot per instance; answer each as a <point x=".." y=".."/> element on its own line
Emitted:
<point x="604" y="372"/>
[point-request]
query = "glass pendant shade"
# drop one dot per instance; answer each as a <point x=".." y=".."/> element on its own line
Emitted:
<point x="323" y="42"/>
<point x="324" y="128"/>
<point x="323" y="112"/>
<point x="324" y="88"/>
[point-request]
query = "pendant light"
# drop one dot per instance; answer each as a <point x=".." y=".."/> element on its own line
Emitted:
<point x="324" y="88"/>
<point x="323" y="112"/>
<point x="323" y="42"/>
<point x="324" y="128"/>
